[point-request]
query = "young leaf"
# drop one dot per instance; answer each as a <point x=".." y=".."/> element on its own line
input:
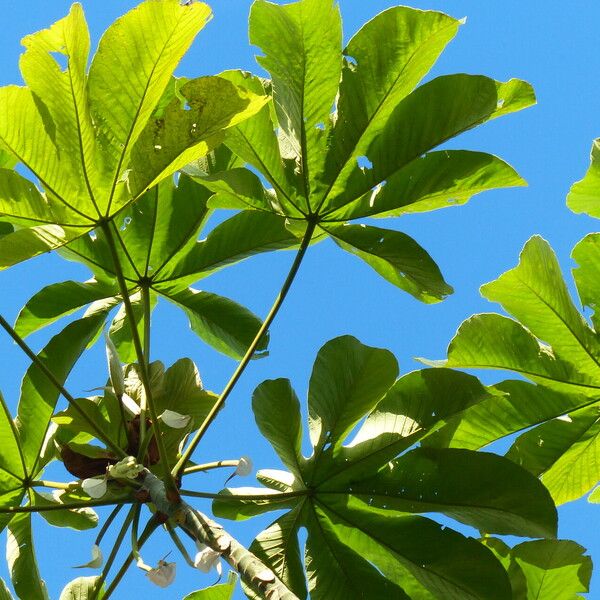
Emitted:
<point x="79" y="519"/>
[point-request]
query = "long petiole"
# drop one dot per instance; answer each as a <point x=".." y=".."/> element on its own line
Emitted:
<point x="147" y="404"/>
<point x="54" y="381"/>
<point x="116" y="510"/>
<point x="182" y="549"/>
<point x="178" y="468"/>
<point x="218" y="464"/>
<point x="148" y="530"/>
<point x="113" y="553"/>
<point x="57" y="485"/>
<point x="275" y="496"/>
<point x="65" y="506"/>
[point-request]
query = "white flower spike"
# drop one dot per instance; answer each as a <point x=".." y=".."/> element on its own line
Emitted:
<point x="175" y="420"/>
<point x="163" y="575"/>
<point x="207" y="558"/>
<point x="97" y="559"/>
<point x="94" y="487"/>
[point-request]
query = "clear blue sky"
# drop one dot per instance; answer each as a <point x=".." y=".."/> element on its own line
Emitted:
<point x="554" y="45"/>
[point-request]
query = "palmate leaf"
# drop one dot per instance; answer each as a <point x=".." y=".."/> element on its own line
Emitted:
<point x="360" y="500"/>
<point x="222" y="591"/>
<point x="95" y="141"/>
<point x="159" y="250"/>
<point x="328" y="146"/>
<point x="563" y="448"/>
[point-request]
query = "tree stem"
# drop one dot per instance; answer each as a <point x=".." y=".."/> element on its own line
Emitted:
<point x="178" y="468"/>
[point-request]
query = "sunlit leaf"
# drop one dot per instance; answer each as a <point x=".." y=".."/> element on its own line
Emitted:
<point x="82" y="588"/>
<point x="22" y="564"/>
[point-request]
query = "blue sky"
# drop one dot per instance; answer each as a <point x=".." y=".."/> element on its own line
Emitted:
<point x="551" y="45"/>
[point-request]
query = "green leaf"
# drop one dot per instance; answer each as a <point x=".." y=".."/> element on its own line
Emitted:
<point x="545" y="569"/>
<point x="435" y="112"/>
<point x="353" y="498"/>
<point x="564" y="451"/>
<point x="334" y="571"/>
<point x="583" y="197"/>
<point x="38" y="395"/>
<point x="396" y="257"/>
<point x="436" y="180"/>
<point x="237" y="238"/>
<point x="223" y="591"/>
<point x="81" y="588"/>
<point x="386" y="60"/>
<point x="22" y="564"/>
<point x="586" y="254"/>
<point x="225" y="325"/>
<point x="412" y="410"/>
<point x="278" y="546"/>
<point x="479" y="489"/>
<point x="418" y="553"/>
<point x="554" y="569"/>
<point x="12" y="465"/>
<point x="4" y="591"/>
<point x="57" y="300"/>
<point x="96" y="141"/>
<point x="276" y="397"/>
<point x="176" y="136"/>
<point x="490" y="341"/>
<point x="347" y="380"/>
<point x="79" y="519"/>
<point x="535" y="293"/>
<point x="511" y="406"/>
<point x="149" y="41"/>
<point x="301" y="43"/>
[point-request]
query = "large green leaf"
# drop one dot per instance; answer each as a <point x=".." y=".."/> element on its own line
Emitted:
<point x="39" y="395"/>
<point x="551" y="344"/>
<point x="396" y="257"/>
<point x="57" y="300"/>
<point x="96" y="141"/>
<point x="545" y="569"/>
<point x="329" y="158"/>
<point x="22" y="564"/>
<point x="355" y="497"/>
<point x="511" y="406"/>
<point x="565" y="452"/>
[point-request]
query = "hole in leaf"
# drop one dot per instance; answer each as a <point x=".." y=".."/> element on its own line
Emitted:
<point x="320" y="126"/>
<point x="186" y="106"/>
<point x="351" y="60"/>
<point x="126" y="222"/>
<point x="500" y="103"/>
<point x="62" y="60"/>
<point x="364" y="162"/>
